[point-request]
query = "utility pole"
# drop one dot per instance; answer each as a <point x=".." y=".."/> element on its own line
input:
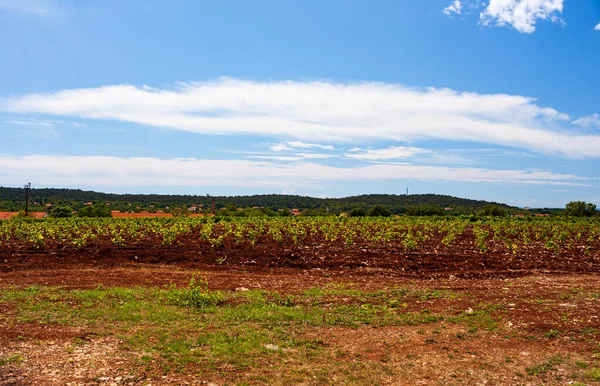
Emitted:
<point x="27" y="187"/>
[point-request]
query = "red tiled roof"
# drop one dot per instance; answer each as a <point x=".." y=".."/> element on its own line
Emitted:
<point x="8" y="215"/>
<point x="141" y="215"/>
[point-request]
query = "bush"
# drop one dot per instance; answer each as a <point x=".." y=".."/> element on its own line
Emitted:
<point x="379" y="211"/>
<point x="580" y="209"/>
<point x="196" y="295"/>
<point x="96" y="210"/>
<point x="357" y="212"/>
<point x="492" y="210"/>
<point x="61" y="212"/>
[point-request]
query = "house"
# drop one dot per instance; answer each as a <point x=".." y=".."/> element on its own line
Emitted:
<point x="7" y="215"/>
<point x="295" y="211"/>
<point x="141" y="215"/>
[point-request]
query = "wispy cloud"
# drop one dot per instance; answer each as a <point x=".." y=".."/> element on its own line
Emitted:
<point x="589" y="121"/>
<point x="294" y="157"/>
<point x="56" y="170"/>
<point x="391" y="152"/>
<point x="597" y="28"/>
<point x="35" y="128"/>
<point x="37" y="7"/>
<point x="294" y="145"/>
<point x="454" y="8"/>
<point x="324" y="112"/>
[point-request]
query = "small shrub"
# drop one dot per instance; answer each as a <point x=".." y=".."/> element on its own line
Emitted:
<point x="196" y="295"/>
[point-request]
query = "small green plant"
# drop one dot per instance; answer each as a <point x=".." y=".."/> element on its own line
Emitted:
<point x="543" y="368"/>
<point x="14" y="359"/>
<point x="594" y="374"/>
<point x="552" y="334"/>
<point x="196" y="295"/>
<point x="220" y="260"/>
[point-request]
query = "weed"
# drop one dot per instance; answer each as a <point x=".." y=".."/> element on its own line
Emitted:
<point x="196" y="295"/>
<point x="11" y="359"/>
<point x="543" y="368"/>
<point x="552" y="334"/>
<point x="594" y="373"/>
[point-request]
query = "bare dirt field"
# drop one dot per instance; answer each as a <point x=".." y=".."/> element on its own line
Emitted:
<point x="297" y="316"/>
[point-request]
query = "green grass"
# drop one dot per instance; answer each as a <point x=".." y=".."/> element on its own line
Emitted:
<point x="543" y="368"/>
<point x="594" y="374"/>
<point x="195" y="329"/>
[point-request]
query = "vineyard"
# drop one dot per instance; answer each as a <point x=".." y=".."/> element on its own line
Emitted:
<point x="404" y="244"/>
<point x="303" y="300"/>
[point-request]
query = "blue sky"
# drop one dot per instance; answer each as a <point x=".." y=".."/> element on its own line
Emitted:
<point x="495" y="99"/>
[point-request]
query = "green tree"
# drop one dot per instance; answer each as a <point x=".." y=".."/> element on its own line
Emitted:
<point x="379" y="211"/>
<point x="61" y="212"/>
<point x="426" y="210"/>
<point x="580" y="209"/>
<point x="96" y="210"/>
<point x="357" y="212"/>
<point x="492" y="210"/>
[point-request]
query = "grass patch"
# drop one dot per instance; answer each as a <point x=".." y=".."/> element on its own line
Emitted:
<point x="594" y="374"/>
<point x="11" y="359"/>
<point x="543" y="368"/>
<point x="195" y="330"/>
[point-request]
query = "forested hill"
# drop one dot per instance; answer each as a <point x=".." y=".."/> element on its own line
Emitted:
<point x="13" y="198"/>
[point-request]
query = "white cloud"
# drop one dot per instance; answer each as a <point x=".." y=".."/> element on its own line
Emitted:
<point x="589" y="121"/>
<point x="597" y="28"/>
<point x="385" y="154"/>
<point x="455" y="7"/>
<point x="293" y="145"/>
<point x="521" y="14"/>
<point x="323" y="111"/>
<point x="56" y="170"/>
<point x="294" y="157"/>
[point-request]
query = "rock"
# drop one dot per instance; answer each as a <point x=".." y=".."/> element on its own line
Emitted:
<point x="271" y="347"/>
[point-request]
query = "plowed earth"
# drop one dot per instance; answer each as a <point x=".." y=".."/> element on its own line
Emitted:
<point x="546" y="307"/>
<point x="430" y="260"/>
